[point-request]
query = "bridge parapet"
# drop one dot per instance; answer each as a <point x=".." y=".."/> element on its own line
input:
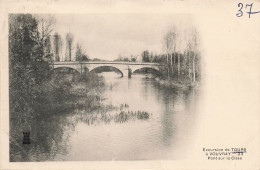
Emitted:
<point x="126" y="68"/>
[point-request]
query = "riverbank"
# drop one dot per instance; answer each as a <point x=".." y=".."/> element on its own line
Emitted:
<point x="185" y="85"/>
<point x="49" y="115"/>
<point x="63" y="104"/>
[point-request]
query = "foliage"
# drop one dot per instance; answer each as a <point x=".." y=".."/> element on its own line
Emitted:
<point x="27" y="67"/>
<point x="120" y="58"/>
<point x="31" y="91"/>
<point x="181" y="60"/>
<point x="80" y="54"/>
<point x="146" y="56"/>
<point x="69" y="42"/>
<point x="57" y="44"/>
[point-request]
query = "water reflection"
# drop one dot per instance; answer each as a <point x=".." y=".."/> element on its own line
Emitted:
<point x="136" y="119"/>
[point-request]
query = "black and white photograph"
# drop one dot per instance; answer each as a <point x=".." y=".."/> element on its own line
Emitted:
<point x="102" y="87"/>
<point x="119" y="84"/>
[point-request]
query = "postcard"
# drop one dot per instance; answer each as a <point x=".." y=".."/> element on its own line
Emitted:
<point x="130" y="84"/>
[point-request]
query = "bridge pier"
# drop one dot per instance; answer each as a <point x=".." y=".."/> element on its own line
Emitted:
<point x="84" y="71"/>
<point x="129" y="73"/>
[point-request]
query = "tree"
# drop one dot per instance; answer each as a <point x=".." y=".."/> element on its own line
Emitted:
<point x="145" y="56"/>
<point x="151" y="57"/>
<point x="81" y="54"/>
<point x="85" y="57"/>
<point x="188" y="57"/>
<point x="170" y="44"/>
<point x="180" y="48"/>
<point x="48" y="50"/>
<point x="57" y="45"/>
<point x="28" y="69"/>
<point x="178" y="55"/>
<point x="194" y="53"/>
<point x="189" y="51"/>
<point x="181" y="43"/>
<point x="44" y="28"/>
<point x="69" y="43"/>
<point x="78" y="52"/>
<point x="133" y="58"/>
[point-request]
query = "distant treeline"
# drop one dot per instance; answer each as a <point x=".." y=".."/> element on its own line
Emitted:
<point x="127" y="59"/>
<point x="183" y="68"/>
<point x="181" y="60"/>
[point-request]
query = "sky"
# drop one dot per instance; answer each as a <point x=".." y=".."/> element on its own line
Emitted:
<point x="106" y="36"/>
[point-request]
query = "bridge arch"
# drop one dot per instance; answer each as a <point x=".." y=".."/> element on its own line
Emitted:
<point x="106" y="66"/>
<point x="58" y="74"/>
<point x="150" y="68"/>
<point x="62" y="67"/>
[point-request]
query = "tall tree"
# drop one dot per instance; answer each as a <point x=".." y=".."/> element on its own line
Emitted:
<point x="45" y="25"/>
<point x="57" y="45"/>
<point x="172" y="49"/>
<point x="28" y="69"/>
<point x="189" y="48"/>
<point x="69" y="43"/>
<point x="145" y="56"/>
<point x="168" y="42"/>
<point x="178" y="54"/>
<point x="78" y="52"/>
<point x="194" y="53"/>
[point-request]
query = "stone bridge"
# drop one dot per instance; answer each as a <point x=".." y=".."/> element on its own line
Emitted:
<point x="125" y="68"/>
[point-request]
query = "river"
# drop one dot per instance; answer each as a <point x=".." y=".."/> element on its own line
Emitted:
<point x="166" y="133"/>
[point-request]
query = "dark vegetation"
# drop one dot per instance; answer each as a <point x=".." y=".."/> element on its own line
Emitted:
<point x="35" y="90"/>
<point x="39" y="98"/>
<point x="181" y="62"/>
<point x="28" y="69"/>
<point x="126" y="59"/>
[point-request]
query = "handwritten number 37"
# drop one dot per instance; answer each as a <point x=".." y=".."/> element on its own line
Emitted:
<point x="240" y="12"/>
